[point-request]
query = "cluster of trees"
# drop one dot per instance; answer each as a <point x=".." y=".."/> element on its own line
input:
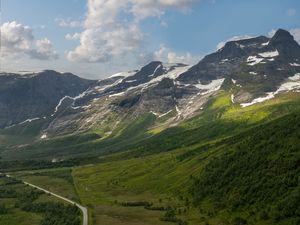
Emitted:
<point x="3" y="209"/>
<point x="5" y="187"/>
<point x="170" y="216"/>
<point x="136" y="204"/>
<point x="35" y="164"/>
<point x="54" y="213"/>
<point x="259" y="173"/>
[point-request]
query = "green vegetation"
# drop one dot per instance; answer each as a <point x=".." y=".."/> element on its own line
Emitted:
<point x="249" y="178"/>
<point x="257" y="172"/>
<point x="23" y="205"/>
<point x="220" y="119"/>
<point x="58" y="180"/>
<point x="21" y="134"/>
<point x="228" y="165"/>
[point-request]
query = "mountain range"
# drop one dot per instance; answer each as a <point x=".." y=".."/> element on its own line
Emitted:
<point x="212" y="143"/>
<point x="50" y="104"/>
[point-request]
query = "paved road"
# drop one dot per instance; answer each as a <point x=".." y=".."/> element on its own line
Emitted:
<point x="82" y="208"/>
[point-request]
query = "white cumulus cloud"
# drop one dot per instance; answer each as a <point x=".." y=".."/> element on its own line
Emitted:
<point x="75" y="36"/>
<point x="18" y="40"/>
<point x="166" y="55"/>
<point x="68" y="22"/>
<point x="155" y="8"/>
<point x="109" y="32"/>
<point x="296" y="33"/>
<point x="43" y="50"/>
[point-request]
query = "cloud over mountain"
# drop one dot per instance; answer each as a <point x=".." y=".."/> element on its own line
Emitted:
<point x="112" y="28"/>
<point x="19" y="40"/>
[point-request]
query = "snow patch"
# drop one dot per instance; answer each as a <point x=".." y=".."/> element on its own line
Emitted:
<point x="162" y="115"/>
<point x="269" y="96"/>
<point x="29" y="120"/>
<point x="59" y="104"/>
<point x="224" y="60"/>
<point x="293" y="84"/>
<point x="269" y="54"/>
<point x="130" y="81"/>
<point x="253" y="60"/>
<point x="232" y="98"/>
<point x="233" y="81"/>
<point x="294" y="64"/>
<point x="240" y="46"/>
<point x="265" y="44"/>
<point x="253" y="73"/>
<point x="117" y="94"/>
<point x="154" y="113"/>
<point x="159" y="66"/>
<point x="25" y="121"/>
<point x="86" y="106"/>
<point x="177" y="110"/>
<point x="81" y="95"/>
<point x="173" y="74"/>
<point x="44" y="136"/>
<point x="213" y="86"/>
<point x="123" y="74"/>
<point x="295" y="77"/>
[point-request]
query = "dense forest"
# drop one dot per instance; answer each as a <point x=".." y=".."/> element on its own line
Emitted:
<point x="258" y="172"/>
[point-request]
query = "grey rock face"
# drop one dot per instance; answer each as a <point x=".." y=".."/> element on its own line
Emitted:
<point x="35" y="95"/>
<point x="248" y="68"/>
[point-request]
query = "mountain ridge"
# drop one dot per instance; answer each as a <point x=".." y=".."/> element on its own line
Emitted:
<point x="253" y="70"/>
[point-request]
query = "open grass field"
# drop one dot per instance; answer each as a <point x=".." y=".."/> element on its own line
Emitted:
<point x="16" y="216"/>
<point x="227" y="182"/>
<point x="21" y="204"/>
<point x="58" y="181"/>
<point x="154" y="179"/>
<point x="174" y="172"/>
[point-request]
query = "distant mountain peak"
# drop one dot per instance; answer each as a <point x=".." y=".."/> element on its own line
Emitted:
<point x="282" y="35"/>
<point x="285" y="43"/>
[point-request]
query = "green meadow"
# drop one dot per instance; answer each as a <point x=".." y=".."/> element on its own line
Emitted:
<point x="228" y="165"/>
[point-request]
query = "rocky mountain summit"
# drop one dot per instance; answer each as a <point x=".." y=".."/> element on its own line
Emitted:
<point x="253" y="70"/>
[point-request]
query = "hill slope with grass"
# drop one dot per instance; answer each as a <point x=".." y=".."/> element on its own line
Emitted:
<point x="215" y="143"/>
<point x="249" y="178"/>
<point x="146" y="135"/>
<point x="208" y="176"/>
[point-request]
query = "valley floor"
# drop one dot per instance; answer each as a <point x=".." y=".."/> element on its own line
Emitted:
<point x="228" y="166"/>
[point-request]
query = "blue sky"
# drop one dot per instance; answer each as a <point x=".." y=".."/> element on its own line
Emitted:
<point x="117" y="35"/>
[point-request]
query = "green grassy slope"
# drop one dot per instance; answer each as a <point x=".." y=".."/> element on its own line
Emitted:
<point x="220" y="119"/>
<point x="84" y="144"/>
<point x="229" y="165"/>
<point x="21" y="134"/>
<point x="257" y="172"/>
<point x="58" y="180"/>
<point x="249" y="178"/>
